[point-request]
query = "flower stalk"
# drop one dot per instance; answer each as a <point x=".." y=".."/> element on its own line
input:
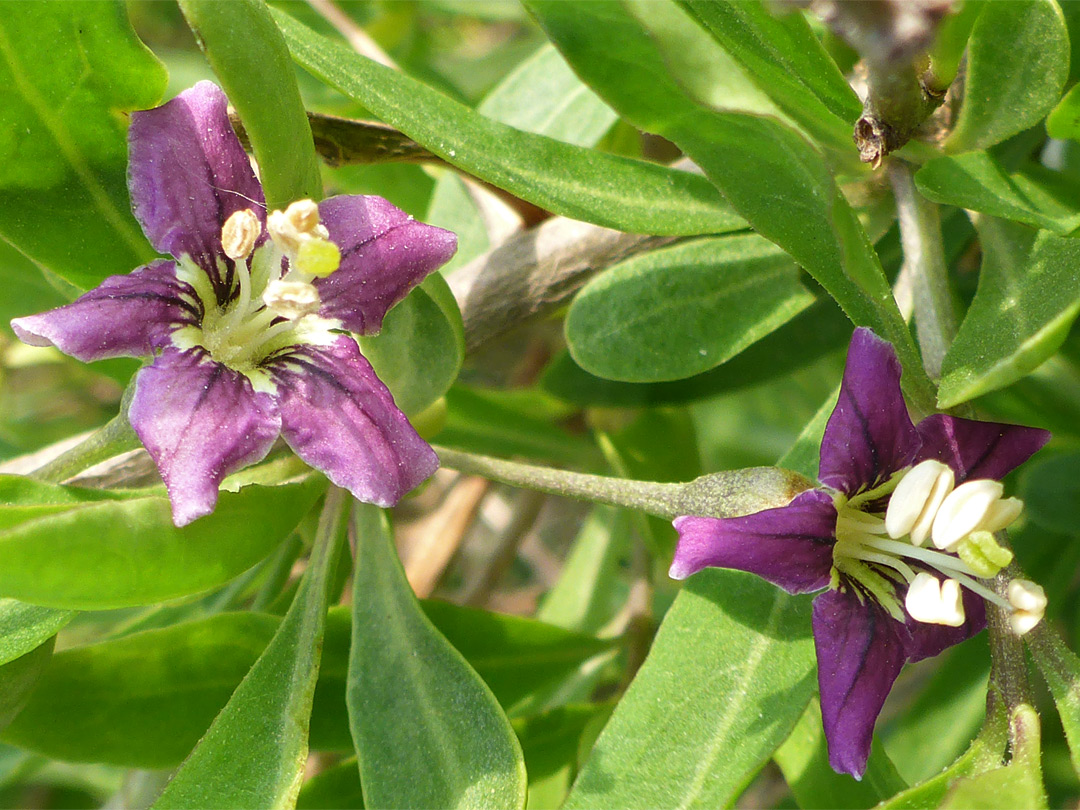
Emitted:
<point x="920" y="233"/>
<point x="725" y="494"/>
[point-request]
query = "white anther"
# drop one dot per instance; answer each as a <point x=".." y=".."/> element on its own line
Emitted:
<point x="964" y="511"/>
<point x="934" y="602"/>
<point x="916" y="499"/>
<point x="239" y="233"/>
<point x="291" y="299"/>
<point x="1001" y="514"/>
<point x="295" y="225"/>
<point x="1027" y="596"/>
<point x="1023" y="622"/>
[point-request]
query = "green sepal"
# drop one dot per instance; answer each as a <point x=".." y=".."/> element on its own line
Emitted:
<point x="983" y="553"/>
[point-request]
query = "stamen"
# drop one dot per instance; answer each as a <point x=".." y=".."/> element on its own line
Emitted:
<point x="916" y="500"/>
<point x="291" y="299"/>
<point x="962" y="512"/>
<point x="935" y="602"/>
<point x="856" y="551"/>
<point x="295" y="225"/>
<point x="239" y="233"/>
<point x="934" y="558"/>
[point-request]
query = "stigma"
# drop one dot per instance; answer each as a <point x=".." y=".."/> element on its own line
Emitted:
<point x="888" y="554"/>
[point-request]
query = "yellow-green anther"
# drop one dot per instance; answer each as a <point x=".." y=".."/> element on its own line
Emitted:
<point x="983" y="553"/>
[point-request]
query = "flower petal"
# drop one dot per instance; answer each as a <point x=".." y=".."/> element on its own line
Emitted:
<point x="790" y="546"/>
<point x="860" y="650"/>
<point x="869" y="435"/>
<point x="978" y="449"/>
<point x="200" y="421"/>
<point x="187" y="174"/>
<point x="126" y="316"/>
<point x="927" y="640"/>
<point x="339" y="418"/>
<point x="384" y="254"/>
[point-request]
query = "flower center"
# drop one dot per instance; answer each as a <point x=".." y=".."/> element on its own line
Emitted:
<point x="265" y="312"/>
<point x="884" y="553"/>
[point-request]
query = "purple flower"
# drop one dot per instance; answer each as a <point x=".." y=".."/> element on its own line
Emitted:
<point x="890" y="487"/>
<point x="248" y="322"/>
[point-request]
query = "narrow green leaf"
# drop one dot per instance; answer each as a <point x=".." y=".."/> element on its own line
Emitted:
<point x="1028" y="297"/>
<point x="1018" y="784"/>
<point x="588" y="594"/>
<point x="551" y="742"/>
<point x="63" y="152"/>
<point x="255" y="752"/>
<point x="419" y="351"/>
<point x="26" y="627"/>
<point x="975" y="181"/>
<point x="247" y="53"/>
<point x="19" y="677"/>
<point x="143" y="700"/>
<point x="428" y="732"/>
<point x="654" y="317"/>
<point x="1061" y="669"/>
<point x="620" y="193"/>
<point x="1017" y="65"/>
<point x="804" y="761"/>
<point x="1064" y="121"/>
<point x="817" y="330"/>
<point x="336" y="788"/>
<point x="985" y="753"/>
<point x="543" y="96"/>
<point x="789" y="64"/>
<point x="768" y="172"/>
<point x="728" y="676"/>
<point x="117" y="553"/>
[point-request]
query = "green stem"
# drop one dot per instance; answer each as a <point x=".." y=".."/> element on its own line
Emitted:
<point x="112" y="439"/>
<point x="1008" y="664"/>
<point x="920" y="232"/>
<point x="724" y="494"/>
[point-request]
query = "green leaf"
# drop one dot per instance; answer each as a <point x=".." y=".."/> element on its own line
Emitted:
<point x="428" y="732"/>
<point x="1061" y="669"/>
<point x="1064" y="121"/>
<point x="587" y="594"/>
<point x="551" y="742"/>
<point x="654" y="317"/>
<point x="788" y="63"/>
<point x="605" y="189"/>
<point x="975" y="181"/>
<point x="116" y="553"/>
<point x="419" y="351"/>
<point x="1050" y="489"/>
<point x="543" y="96"/>
<point x="336" y="788"/>
<point x="1018" y="784"/>
<point x="1028" y="297"/>
<point x="804" y="761"/>
<point x="19" y="677"/>
<point x="728" y="676"/>
<point x="817" y="330"/>
<point x="255" y="752"/>
<point x="26" y="627"/>
<point x="63" y="146"/>
<point x="515" y="656"/>
<point x="143" y="700"/>
<point x="247" y="53"/>
<point x="767" y="171"/>
<point x="1017" y="65"/>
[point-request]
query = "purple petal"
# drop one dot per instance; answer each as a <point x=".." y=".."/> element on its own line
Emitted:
<point x="200" y="421"/>
<point x="790" y="546"/>
<point x="384" y="254"/>
<point x="978" y="449"/>
<point x="339" y="418"/>
<point x="126" y="316"/>
<point x="869" y="435"/>
<point x="860" y="650"/>
<point x="187" y="174"/>
<point x="927" y="640"/>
